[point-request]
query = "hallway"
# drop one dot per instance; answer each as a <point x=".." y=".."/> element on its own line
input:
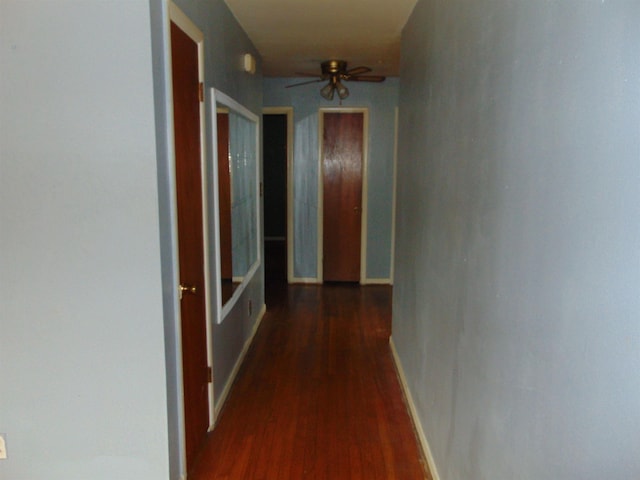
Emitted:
<point x="317" y="396"/>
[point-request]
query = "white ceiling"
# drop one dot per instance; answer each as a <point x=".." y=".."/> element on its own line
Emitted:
<point x="296" y="35"/>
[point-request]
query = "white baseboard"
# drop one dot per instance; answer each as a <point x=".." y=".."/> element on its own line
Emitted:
<point x="316" y="281"/>
<point x="424" y="444"/>
<point x="376" y="281"/>
<point x="304" y="280"/>
<point x="236" y="367"/>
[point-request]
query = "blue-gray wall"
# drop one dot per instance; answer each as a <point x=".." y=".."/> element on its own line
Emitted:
<point x="517" y="289"/>
<point x="381" y="100"/>
<point x="82" y="368"/>
<point x="89" y="357"/>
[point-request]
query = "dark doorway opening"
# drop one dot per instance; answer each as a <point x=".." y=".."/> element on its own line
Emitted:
<point x="275" y="199"/>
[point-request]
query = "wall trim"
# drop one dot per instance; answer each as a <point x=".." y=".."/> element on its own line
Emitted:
<point x="178" y="17"/>
<point x="377" y="281"/>
<point x="222" y="398"/>
<point x="305" y="281"/>
<point x="424" y="444"/>
<point x="392" y="263"/>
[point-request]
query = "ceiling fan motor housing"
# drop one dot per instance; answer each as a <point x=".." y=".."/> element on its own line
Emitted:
<point x="334" y="67"/>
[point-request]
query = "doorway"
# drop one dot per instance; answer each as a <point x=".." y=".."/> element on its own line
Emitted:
<point x="277" y="140"/>
<point x="343" y="191"/>
<point x="188" y="117"/>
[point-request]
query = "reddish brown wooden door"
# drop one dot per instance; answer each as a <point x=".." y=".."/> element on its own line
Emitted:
<point x="224" y="197"/>
<point x="342" y="191"/>
<point x="186" y="107"/>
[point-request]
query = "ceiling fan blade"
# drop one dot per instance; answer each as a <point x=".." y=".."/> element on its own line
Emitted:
<point x="367" y="78"/>
<point x="358" y="70"/>
<point x="305" y="83"/>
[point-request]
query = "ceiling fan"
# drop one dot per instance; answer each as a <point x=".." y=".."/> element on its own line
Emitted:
<point x="334" y="71"/>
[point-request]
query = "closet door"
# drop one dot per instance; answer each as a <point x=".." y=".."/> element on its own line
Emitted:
<point x="342" y="160"/>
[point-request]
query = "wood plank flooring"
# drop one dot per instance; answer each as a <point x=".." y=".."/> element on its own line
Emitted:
<point x="317" y="396"/>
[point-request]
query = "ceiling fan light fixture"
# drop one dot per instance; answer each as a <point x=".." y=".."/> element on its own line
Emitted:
<point x="336" y="71"/>
<point x="327" y="91"/>
<point x="343" y="92"/>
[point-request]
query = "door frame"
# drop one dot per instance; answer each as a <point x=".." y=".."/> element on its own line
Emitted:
<point x="365" y="187"/>
<point x="187" y="26"/>
<point x="288" y="111"/>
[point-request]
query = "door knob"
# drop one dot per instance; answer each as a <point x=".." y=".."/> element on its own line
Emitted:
<point x="187" y="289"/>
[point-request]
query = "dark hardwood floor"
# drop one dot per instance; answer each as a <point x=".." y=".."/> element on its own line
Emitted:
<point x="317" y="396"/>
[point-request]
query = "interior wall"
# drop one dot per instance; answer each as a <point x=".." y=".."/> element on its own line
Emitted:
<point x="381" y="100"/>
<point x="87" y="232"/>
<point x="516" y="301"/>
<point x="82" y="389"/>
